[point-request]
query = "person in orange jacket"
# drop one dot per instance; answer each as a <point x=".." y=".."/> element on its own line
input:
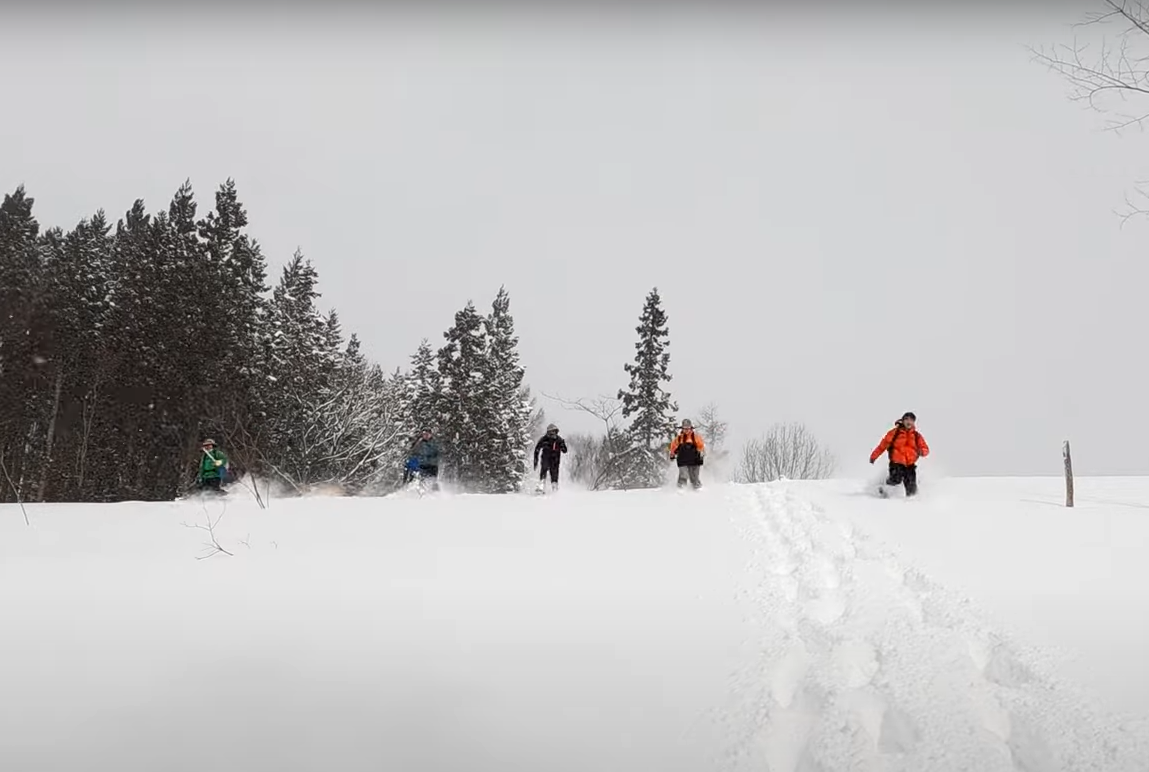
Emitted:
<point x="905" y="445"/>
<point x="688" y="449"/>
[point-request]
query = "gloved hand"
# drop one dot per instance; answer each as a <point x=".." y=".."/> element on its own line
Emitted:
<point x="218" y="462"/>
<point x="536" y="466"/>
<point x="871" y="460"/>
<point x="672" y="456"/>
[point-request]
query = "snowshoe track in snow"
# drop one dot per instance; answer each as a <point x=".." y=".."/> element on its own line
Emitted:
<point x="865" y="665"/>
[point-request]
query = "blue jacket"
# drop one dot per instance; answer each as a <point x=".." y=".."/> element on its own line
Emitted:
<point x="427" y="451"/>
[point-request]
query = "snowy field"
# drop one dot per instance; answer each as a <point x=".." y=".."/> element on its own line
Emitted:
<point x="798" y="626"/>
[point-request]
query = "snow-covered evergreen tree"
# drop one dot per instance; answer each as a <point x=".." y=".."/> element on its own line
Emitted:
<point x="78" y="267"/>
<point x="421" y="392"/>
<point x="238" y="313"/>
<point x="507" y="407"/>
<point x="300" y="366"/>
<point x="464" y="374"/>
<point x="24" y="387"/>
<point x="646" y="402"/>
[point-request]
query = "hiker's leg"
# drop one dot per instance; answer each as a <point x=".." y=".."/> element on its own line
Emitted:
<point x="896" y="472"/>
<point x="695" y="479"/>
<point x="682" y="476"/>
<point x="911" y="479"/>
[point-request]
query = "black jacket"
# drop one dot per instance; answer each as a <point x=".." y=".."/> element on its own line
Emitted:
<point x="686" y="451"/>
<point x="551" y="447"/>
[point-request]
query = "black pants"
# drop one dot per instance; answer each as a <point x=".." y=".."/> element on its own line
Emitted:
<point x="901" y="473"/>
<point x="431" y="475"/>
<point x="549" y="466"/>
<point x="210" y="484"/>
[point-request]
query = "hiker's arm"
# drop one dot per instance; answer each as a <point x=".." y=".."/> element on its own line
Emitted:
<point x="883" y="446"/>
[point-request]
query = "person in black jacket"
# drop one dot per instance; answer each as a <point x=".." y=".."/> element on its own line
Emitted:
<point x="550" y="448"/>
<point x="689" y="450"/>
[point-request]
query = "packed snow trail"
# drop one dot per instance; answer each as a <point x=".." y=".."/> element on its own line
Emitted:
<point x="868" y="666"/>
<point x="736" y="628"/>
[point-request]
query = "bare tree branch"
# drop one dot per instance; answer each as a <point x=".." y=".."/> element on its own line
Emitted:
<point x="712" y="428"/>
<point x="15" y="490"/>
<point x="213" y="546"/>
<point x="1109" y="71"/>
<point x="787" y="451"/>
<point x="602" y="462"/>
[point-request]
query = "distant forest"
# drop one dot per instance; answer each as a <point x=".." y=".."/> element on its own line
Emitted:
<point x="122" y="346"/>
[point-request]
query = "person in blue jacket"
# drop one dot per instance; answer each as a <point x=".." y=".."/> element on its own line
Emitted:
<point x="424" y="458"/>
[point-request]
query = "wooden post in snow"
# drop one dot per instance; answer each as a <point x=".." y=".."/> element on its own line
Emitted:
<point x="1068" y="474"/>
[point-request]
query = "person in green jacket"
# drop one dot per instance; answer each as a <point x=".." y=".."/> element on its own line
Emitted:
<point x="212" y="467"/>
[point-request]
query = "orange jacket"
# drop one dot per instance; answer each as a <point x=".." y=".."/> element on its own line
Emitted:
<point x="908" y="445"/>
<point x="687" y="435"/>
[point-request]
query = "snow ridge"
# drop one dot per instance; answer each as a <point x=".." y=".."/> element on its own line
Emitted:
<point x="866" y="665"/>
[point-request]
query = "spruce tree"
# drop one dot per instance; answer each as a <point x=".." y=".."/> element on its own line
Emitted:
<point x="646" y="401"/>
<point x="507" y="405"/>
<point x="23" y="380"/>
<point x="78" y="270"/>
<point x="238" y="314"/>
<point x="300" y="367"/>
<point x="422" y="392"/>
<point x="464" y="379"/>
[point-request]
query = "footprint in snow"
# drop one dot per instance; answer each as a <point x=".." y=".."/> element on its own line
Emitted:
<point x="1029" y="752"/>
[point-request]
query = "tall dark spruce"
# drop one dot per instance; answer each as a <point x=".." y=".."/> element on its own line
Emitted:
<point x="646" y="402"/>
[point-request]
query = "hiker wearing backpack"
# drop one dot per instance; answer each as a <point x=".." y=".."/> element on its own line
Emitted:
<point x="213" y="468"/>
<point x="688" y="449"/>
<point x="905" y="446"/>
<point x="550" y="448"/>
<point x="423" y="459"/>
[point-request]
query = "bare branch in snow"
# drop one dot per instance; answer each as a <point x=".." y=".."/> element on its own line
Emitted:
<point x="599" y="462"/>
<point x="212" y="547"/>
<point x="787" y="451"/>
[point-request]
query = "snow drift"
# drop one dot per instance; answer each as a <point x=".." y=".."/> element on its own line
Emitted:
<point x="742" y="627"/>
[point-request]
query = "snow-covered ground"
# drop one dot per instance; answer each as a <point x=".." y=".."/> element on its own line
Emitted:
<point x="798" y="626"/>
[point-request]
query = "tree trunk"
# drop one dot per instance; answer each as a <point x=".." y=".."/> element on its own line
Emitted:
<point x="1068" y="474"/>
<point x="42" y="490"/>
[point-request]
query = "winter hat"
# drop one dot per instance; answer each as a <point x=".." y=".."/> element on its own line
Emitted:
<point x="552" y="428"/>
<point x="910" y="416"/>
<point x="686" y="424"/>
<point x="207" y="442"/>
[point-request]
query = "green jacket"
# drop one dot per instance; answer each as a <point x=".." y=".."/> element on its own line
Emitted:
<point x="208" y="468"/>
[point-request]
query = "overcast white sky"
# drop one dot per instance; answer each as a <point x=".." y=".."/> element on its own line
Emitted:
<point x="847" y="219"/>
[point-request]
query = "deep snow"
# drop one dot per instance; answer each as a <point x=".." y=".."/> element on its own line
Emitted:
<point x="742" y="627"/>
<point x="1071" y="580"/>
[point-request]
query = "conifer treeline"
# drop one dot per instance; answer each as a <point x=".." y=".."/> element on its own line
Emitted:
<point x="122" y="346"/>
